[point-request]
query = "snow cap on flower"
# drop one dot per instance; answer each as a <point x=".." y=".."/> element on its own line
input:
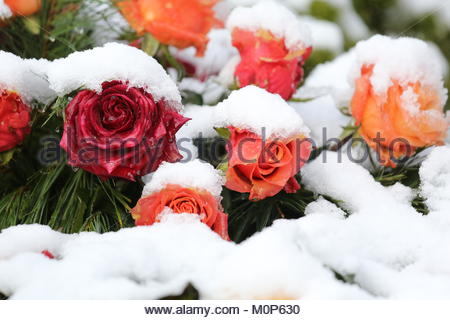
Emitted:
<point x="5" y="11"/>
<point x="406" y="60"/>
<point x="26" y="77"/>
<point x="89" y="69"/>
<point x="255" y="109"/>
<point x="194" y="174"/>
<point x="273" y="17"/>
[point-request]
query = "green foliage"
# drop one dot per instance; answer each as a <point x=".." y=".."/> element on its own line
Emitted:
<point x="58" y="29"/>
<point x="58" y="195"/>
<point x="323" y="10"/>
<point x="247" y="217"/>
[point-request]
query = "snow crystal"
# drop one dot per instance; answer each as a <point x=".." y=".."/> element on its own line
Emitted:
<point x="26" y="77"/>
<point x="5" y="11"/>
<point x="192" y="174"/>
<point x="257" y="110"/>
<point x="277" y="19"/>
<point x="218" y="52"/>
<point x="89" y="69"/>
<point x="406" y="60"/>
<point x="325" y="34"/>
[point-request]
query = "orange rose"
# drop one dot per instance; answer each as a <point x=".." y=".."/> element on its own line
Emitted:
<point x="14" y="120"/>
<point x="267" y="63"/>
<point x="181" y="23"/>
<point x="264" y="168"/>
<point x="406" y="118"/>
<point x="24" y="7"/>
<point x="182" y="200"/>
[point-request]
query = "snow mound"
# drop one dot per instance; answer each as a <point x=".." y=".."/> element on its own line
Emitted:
<point x="264" y="113"/>
<point x="192" y="174"/>
<point x="272" y="16"/>
<point x="150" y="263"/>
<point x="25" y="76"/>
<point x="89" y="69"/>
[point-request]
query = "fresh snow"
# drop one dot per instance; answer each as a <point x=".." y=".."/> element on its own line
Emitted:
<point x="193" y="174"/>
<point x="325" y="35"/>
<point x="25" y="76"/>
<point x="5" y="11"/>
<point x="374" y="239"/>
<point x="218" y="52"/>
<point x="257" y="110"/>
<point x="323" y="117"/>
<point x="271" y="16"/>
<point x="331" y="78"/>
<point x="89" y="69"/>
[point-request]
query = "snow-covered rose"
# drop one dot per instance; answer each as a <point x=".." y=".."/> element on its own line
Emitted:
<point x="182" y="200"/>
<point x="120" y="132"/>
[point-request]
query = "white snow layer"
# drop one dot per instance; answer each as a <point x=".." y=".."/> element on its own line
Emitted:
<point x="89" y="69"/>
<point x="218" y="52"/>
<point x="5" y="11"/>
<point x="275" y="117"/>
<point x="192" y="174"/>
<point x="384" y="249"/>
<point x="257" y="110"/>
<point x="27" y="77"/>
<point x="323" y="117"/>
<point x="331" y="78"/>
<point x="325" y="35"/>
<point x="272" y="16"/>
<point x="406" y="60"/>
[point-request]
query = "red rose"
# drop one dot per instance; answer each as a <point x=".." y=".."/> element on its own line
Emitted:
<point x="267" y="63"/>
<point x="182" y="200"/>
<point x="14" y="120"/>
<point x="264" y="168"/>
<point x="121" y="132"/>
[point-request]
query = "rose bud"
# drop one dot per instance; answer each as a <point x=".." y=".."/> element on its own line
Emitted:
<point x="14" y="120"/>
<point x="407" y="113"/>
<point x="264" y="168"/>
<point x="23" y="7"/>
<point x="271" y="56"/>
<point x="182" y="200"/>
<point x="180" y="23"/>
<point x="121" y="132"/>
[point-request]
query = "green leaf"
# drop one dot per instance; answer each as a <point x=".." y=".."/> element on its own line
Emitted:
<point x="223" y="132"/>
<point x="150" y="45"/>
<point x="32" y="25"/>
<point x="6" y="156"/>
